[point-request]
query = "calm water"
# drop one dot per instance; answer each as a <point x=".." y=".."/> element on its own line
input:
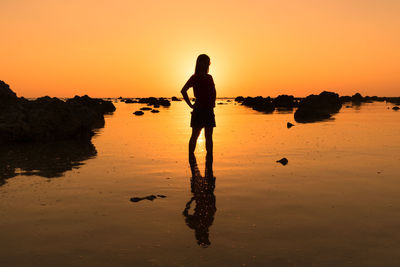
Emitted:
<point x="336" y="203"/>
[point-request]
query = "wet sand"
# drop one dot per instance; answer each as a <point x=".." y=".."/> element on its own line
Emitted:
<point x="336" y="202"/>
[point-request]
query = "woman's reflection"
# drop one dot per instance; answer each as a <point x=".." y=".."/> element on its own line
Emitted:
<point x="203" y="194"/>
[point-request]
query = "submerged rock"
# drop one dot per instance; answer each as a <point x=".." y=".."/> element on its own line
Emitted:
<point x="152" y="101"/>
<point x="318" y="107"/>
<point x="145" y="108"/>
<point x="49" y="119"/>
<point x="130" y="101"/>
<point x="395" y="108"/>
<point x="283" y="161"/>
<point x="138" y="113"/>
<point x="259" y="103"/>
<point x="284" y="101"/>
<point x="151" y="198"/>
<point x="155" y="111"/>
<point x="289" y="125"/>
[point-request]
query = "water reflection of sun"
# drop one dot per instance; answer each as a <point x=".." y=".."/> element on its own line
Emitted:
<point x="201" y="142"/>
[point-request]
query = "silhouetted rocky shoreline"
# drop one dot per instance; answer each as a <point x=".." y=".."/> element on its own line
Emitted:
<point x="312" y="108"/>
<point x="49" y="119"/>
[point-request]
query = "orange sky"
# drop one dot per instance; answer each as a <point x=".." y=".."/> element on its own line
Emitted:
<point x="148" y="48"/>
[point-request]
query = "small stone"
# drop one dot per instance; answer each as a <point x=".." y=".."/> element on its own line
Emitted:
<point x="396" y="108"/>
<point x="138" y="113"/>
<point x="146" y="108"/>
<point x="155" y="111"/>
<point x="283" y="161"/>
<point x="289" y="125"/>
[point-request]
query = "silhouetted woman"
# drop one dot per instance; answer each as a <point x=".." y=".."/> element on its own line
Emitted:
<point x="203" y="108"/>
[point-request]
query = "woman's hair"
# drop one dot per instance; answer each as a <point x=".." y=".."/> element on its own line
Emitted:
<point x="202" y="64"/>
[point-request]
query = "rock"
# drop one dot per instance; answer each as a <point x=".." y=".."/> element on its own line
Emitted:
<point x="138" y="113"/>
<point x="7" y="96"/>
<point x="155" y="111"/>
<point x="145" y="108"/>
<point x="239" y="99"/>
<point x="151" y="198"/>
<point x="318" y="107"/>
<point x="130" y="101"/>
<point x="345" y="99"/>
<point x="289" y="125"/>
<point x="101" y="106"/>
<point x="174" y="98"/>
<point x="395" y="108"/>
<point x="357" y="98"/>
<point x="152" y="101"/>
<point x="284" y="101"/>
<point x="49" y="119"/>
<point x="283" y="161"/>
<point x="259" y="103"/>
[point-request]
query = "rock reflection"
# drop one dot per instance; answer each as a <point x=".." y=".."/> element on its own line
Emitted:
<point x="203" y="195"/>
<point x="43" y="159"/>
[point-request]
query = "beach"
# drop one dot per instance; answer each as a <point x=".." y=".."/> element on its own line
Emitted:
<point x="335" y="203"/>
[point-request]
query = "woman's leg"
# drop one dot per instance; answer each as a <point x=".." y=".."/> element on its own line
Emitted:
<point x="193" y="139"/>
<point x="208" y="132"/>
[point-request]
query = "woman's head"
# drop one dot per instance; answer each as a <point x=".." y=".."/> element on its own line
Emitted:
<point x="202" y="64"/>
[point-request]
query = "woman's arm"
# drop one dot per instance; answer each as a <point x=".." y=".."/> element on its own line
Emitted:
<point x="184" y="92"/>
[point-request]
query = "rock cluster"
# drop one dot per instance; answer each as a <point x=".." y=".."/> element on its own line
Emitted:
<point x="357" y="99"/>
<point x="318" y="107"/>
<point x="49" y="119"/>
<point x="258" y="103"/>
<point x="268" y="104"/>
<point x="156" y="102"/>
<point x="174" y="98"/>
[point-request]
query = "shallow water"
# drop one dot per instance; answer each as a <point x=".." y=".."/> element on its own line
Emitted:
<point x="336" y="203"/>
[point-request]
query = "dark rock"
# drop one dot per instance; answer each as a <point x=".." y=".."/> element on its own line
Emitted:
<point x="99" y="105"/>
<point x="49" y="119"/>
<point x="259" y="103"/>
<point x="283" y="161"/>
<point x="395" y="108"/>
<point x="152" y="101"/>
<point x="284" y="101"/>
<point x="357" y="98"/>
<point x="345" y="99"/>
<point x="174" y="98"/>
<point x="155" y="111"/>
<point x="7" y="96"/>
<point x="318" y="107"/>
<point x="289" y="125"/>
<point x="239" y="99"/>
<point x="151" y="198"/>
<point x="130" y="101"/>
<point x="145" y="108"/>
<point x="138" y="113"/>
